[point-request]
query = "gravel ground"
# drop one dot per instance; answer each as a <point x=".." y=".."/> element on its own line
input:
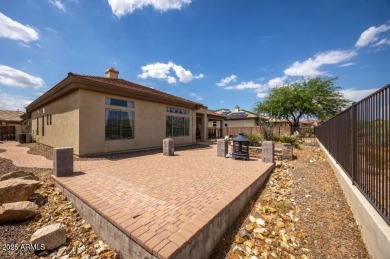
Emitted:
<point x="82" y="241"/>
<point x="320" y="223"/>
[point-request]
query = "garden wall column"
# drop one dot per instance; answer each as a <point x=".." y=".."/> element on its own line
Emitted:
<point x="168" y="147"/>
<point x="62" y="161"/>
<point x="268" y="151"/>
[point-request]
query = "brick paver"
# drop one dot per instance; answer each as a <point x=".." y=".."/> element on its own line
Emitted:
<point x="155" y="198"/>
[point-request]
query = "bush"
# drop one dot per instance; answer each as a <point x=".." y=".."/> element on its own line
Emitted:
<point x="287" y="138"/>
<point x="255" y="139"/>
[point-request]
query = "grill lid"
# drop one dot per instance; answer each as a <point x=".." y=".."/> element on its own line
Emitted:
<point x="241" y="138"/>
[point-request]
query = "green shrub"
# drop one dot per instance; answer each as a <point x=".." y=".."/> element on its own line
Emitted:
<point x="255" y="139"/>
<point x="293" y="139"/>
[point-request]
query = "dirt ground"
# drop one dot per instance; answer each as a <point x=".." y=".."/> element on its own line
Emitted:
<point x="300" y="213"/>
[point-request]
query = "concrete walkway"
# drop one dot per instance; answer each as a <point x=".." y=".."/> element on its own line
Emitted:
<point x="21" y="158"/>
<point x="169" y="207"/>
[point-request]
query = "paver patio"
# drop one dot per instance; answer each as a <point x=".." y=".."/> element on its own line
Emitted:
<point x="162" y="203"/>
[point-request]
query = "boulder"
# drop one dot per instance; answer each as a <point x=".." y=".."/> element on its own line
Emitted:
<point x="17" y="211"/>
<point x="16" y="189"/>
<point x="19" y="174"/>
<point x="49" y="237"/>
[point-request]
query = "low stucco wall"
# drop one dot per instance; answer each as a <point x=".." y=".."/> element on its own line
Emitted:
<point x="375" y="231"/>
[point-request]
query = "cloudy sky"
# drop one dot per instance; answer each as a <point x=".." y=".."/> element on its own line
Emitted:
<point x="219" y="53"/>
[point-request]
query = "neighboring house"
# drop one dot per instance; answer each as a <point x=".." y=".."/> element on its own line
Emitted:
<point x="96" y="114"/>
<point x="10" y="124"/>
<point x="239" y="118"/>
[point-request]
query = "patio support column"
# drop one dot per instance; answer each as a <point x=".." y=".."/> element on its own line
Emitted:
<point x="222" y="127"/>
<point x="204" y="127"/>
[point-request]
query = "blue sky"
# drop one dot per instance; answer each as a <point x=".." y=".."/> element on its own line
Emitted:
<point x="218" y="53"/>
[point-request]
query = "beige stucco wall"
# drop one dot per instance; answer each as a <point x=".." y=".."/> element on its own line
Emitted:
<point x="64" y="130"/>
<point x="150" y="125"/>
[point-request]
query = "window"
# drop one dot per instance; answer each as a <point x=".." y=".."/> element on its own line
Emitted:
<point x="50" y="119"/>
<point x="177" y="126"/>
<point x="119" y="124"/>
<point x="37" y="126"/>
<point x="119" y="121"/>
<point x="118" y="102"/>
<point x="43" y="125"/>
<point x="47" y="119"/>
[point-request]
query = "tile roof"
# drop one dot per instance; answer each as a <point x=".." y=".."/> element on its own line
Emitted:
<point x="6" y="115"/>
<point x="144" y="90"/>
<point x="114" y="86"/>
<point x="212" y="113"/>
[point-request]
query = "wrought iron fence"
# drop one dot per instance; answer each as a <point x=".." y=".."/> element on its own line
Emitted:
<point x="214" y="133"/>
<point x="359" y="140"/>
<point x="7" y="133"/>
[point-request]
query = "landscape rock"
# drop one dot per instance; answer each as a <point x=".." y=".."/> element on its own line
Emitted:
<point x="17" y="211"/>
<point x="19" y="174"/>
<point x="51" y="236"/>
<point x="16" y="189"/>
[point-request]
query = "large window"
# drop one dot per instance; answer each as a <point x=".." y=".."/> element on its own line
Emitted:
<point x="119" y="119"/>
<point x="119" y="124"/>
<point x="177" y="126"/>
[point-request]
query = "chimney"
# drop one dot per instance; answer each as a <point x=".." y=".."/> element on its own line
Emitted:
<point x="236" y="109"/>
<point x="112" y="73"/>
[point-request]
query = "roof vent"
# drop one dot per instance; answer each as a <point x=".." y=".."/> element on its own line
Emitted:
<point x="112" y="73"/>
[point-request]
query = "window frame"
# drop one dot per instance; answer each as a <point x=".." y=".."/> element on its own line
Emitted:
<point x="129" y="108"/>
<point x="170" y="132"/>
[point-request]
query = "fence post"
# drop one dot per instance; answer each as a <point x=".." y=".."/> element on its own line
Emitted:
<point x="354" y="142"/>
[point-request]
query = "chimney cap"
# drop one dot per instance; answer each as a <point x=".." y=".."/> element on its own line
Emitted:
<point x="111" y="69"/>
<point x="111" y="73"/>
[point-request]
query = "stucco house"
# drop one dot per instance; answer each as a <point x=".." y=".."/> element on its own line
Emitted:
<point x="239" y="117"/>
<point x="10" y="124"/>
<point x="95" y="114"/>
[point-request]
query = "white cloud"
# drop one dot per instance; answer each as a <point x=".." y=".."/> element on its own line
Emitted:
<point x="24" y="45"/>
<point x="13" y="102"/>
<point x="16" y="31"/>
<point x="357" y="95"/>
<point x="371" y="35"/>
<point x="245" y="85"/>
<point x="13" y="77"/>
<point x="229" y="88"/>
<point x="123" y="7"/>
<point x="277" y="81"/>
<point x="58" y="4"/>
<point x="227" y="80"/>
<point x="222" y="101"/>
<point x="347" y="64"/>
<point x="311" y="66"/>
<point x="261" y="95"/>
<point x="382" y="42"/>
<point x="196" y="96"/>
<point x="163" y="71"/>
<point x="248" y="85"/>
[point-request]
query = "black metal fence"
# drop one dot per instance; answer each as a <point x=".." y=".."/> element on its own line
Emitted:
<point x="306" y="135"/>
<point x="359" y="140"/>
<point x="7" y="133"/>
<point x="214" y="133"/>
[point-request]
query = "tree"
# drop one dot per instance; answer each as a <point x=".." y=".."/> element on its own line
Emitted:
<point x="317" y="97"/>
